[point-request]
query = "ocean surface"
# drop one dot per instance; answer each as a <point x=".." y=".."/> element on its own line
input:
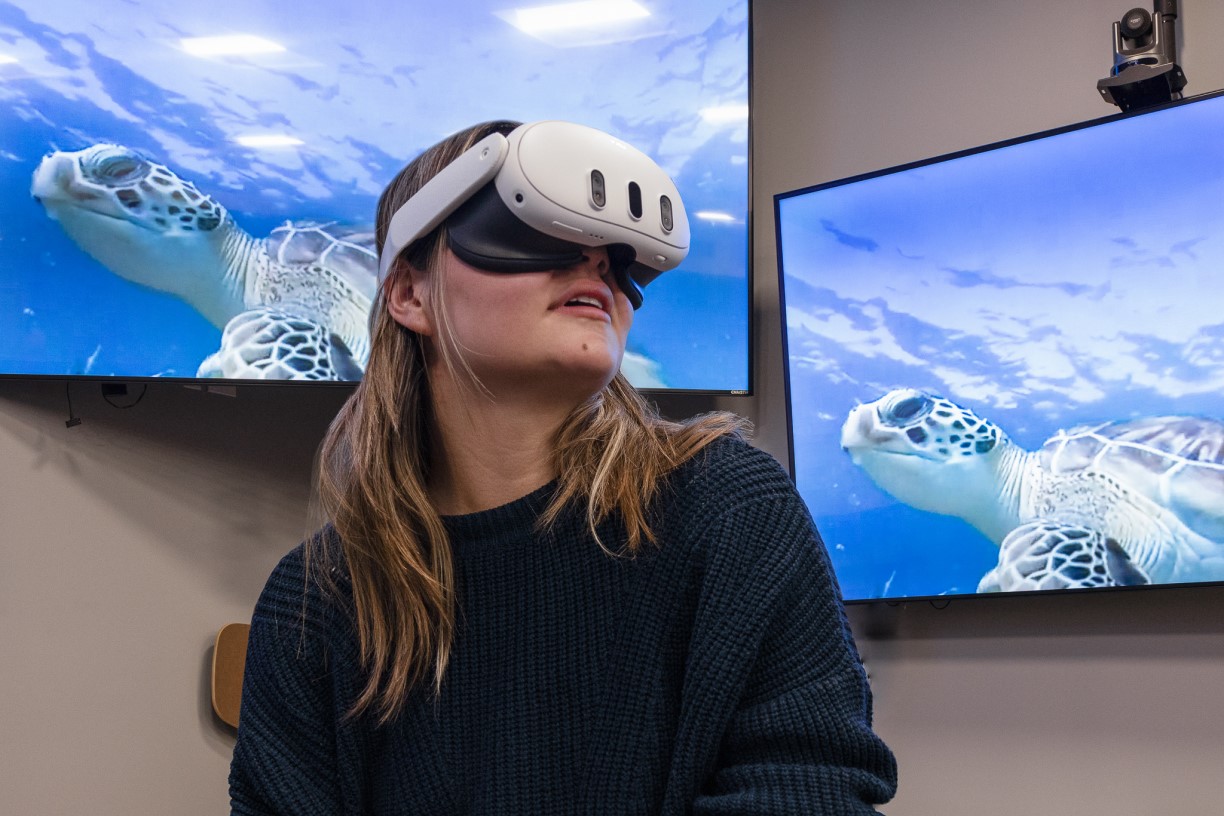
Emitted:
<point x="364" y="87"/>
<point x="1054" y="283"/>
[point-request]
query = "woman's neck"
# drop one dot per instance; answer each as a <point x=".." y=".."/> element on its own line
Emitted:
<point x="489" y="450"/>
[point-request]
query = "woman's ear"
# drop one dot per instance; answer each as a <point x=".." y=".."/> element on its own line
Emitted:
<point x="407" y="298"/>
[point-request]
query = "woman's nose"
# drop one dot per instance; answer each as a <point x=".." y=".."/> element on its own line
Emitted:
<point x="596" y="258"/>
<point x="595" y="264"/>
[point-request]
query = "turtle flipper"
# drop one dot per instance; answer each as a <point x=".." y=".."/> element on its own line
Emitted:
<point x="1052" y="555"/>
<point x="1122" y="569"/>
<point x="275" y="344"/>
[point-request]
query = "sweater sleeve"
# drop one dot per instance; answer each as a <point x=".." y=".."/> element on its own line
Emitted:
<point x="285" y="757"/>
<point x="796" y="705"/>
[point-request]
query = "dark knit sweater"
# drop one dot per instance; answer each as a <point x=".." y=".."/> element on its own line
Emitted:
<point x="713" y="674"/>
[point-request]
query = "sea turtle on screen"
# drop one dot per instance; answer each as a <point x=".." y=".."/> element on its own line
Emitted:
<point x="1119" y="503"/>
<point x="291" y="305"/>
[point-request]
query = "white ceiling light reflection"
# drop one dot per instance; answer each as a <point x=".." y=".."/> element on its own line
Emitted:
<point x="263" y="140"/>
<point x="715" y="217"/>
<point x="590" y="22"/>
<point x="6" y="59"/>
<point x="229" y="46"/>
<point x="725" y="114"/>
<point x="589" y="14"/>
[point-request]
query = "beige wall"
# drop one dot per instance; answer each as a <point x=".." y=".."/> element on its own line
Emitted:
<point x="128" y="540"/>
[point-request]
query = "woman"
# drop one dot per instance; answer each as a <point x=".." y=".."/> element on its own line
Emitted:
<point x="535" y="595"/>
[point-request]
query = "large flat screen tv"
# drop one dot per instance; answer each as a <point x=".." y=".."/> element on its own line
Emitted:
<point x="291" y="116"/>
<point x="1006" y="365"/>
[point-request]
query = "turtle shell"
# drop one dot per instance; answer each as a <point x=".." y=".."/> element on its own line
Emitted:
<point x="349" y="251"/>
<point x="1177" y="462"/>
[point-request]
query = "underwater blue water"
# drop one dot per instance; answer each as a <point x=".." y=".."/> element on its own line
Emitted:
<point x="1041" y="285"/>
<point x="365" y="88"/>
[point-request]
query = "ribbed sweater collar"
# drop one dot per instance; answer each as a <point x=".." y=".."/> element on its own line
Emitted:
<point x="506" y="522"/>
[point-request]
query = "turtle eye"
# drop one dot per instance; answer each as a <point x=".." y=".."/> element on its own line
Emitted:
<point x="112" y="168"/>
<point x="906" y="410"/>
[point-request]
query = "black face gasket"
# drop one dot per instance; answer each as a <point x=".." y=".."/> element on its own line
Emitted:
<point x="486" y="234"/>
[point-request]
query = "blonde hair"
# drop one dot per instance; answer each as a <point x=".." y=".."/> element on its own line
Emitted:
<point x="373" y="470"/>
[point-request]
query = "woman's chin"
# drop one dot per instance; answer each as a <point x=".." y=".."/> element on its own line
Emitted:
<point x="582" y="374"/>
<point x="589" y="380"/>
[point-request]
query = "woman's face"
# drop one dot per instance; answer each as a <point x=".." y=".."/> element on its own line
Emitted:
<point x="563" y="330"/>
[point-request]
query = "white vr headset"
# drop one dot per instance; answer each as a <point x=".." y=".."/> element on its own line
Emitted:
<point x="535" y="199"/>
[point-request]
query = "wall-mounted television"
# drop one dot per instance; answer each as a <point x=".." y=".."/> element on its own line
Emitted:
<point x="285" y="120"/>
<point x="1006" y="365"/>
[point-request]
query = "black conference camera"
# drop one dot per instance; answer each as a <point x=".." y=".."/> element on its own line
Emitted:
<point x="1145" y="71"/>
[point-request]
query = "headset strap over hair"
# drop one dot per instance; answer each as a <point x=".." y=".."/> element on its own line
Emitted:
<point x="441" y="196"/>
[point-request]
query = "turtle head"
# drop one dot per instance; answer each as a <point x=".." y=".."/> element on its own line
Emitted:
<point x="134" y="216"/>
<point x="926" y="451"/>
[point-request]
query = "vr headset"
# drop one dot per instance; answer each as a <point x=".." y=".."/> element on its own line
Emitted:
<point x="535" y="199"/>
